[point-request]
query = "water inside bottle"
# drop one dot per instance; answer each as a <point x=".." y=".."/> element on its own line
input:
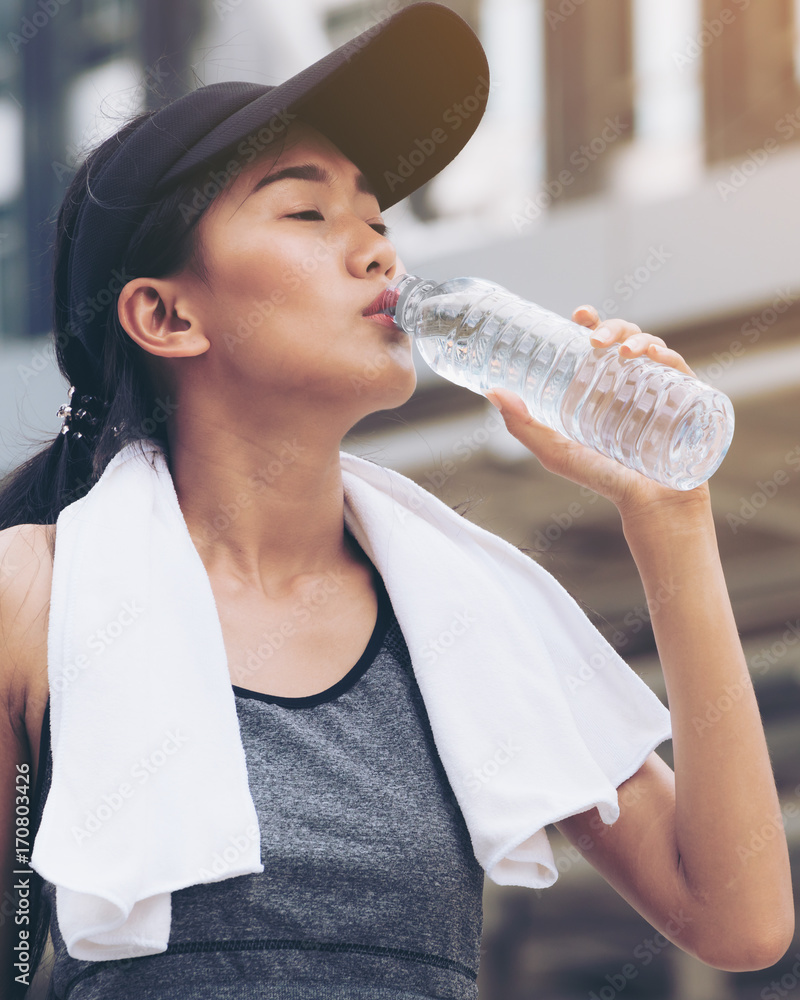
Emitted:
<point x="648" y="416"/>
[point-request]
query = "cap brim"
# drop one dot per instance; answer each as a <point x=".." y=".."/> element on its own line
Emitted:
<point x="400" y="100"/>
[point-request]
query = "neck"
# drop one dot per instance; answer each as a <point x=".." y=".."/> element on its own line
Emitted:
<point x="267" y="512"/>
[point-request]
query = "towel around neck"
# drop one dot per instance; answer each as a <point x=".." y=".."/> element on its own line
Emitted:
<point x="534" y="715"/>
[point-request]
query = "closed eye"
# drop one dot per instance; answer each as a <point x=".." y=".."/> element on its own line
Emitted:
<point x="312" y="215"/>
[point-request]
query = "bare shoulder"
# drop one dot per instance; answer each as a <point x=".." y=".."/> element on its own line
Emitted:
<point x="26" y="570"/>
<point x="26" y="574"/>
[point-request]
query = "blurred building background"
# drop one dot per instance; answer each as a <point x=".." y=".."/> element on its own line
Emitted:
<point x="638" y="155"/>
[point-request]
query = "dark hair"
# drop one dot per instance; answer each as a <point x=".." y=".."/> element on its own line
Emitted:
<point x="66" y="468"/>
<point x="163" y="244"/>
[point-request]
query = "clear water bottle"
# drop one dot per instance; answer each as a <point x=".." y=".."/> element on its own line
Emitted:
<point x="662" y="423"/>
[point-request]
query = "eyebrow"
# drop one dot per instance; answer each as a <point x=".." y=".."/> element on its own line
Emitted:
<point x="311" y="172"/>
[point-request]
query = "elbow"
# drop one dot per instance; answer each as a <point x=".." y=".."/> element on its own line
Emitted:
<point x="744" y="934"/>
<point x="750" y="951"/>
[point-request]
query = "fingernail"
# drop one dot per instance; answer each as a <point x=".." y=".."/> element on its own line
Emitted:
<point x="603" y="334"/>
<point x="635" y="343"/>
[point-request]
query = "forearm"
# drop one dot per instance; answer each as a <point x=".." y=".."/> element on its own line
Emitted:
<point x="733" y="854"/>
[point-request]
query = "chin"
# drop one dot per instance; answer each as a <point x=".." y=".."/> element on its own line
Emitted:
<point x="390" y="391"/>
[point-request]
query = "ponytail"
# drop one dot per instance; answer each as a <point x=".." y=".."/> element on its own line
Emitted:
<point x="66" y="468"/>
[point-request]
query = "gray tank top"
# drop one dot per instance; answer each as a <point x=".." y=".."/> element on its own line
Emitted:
<point x="370" y="889"/>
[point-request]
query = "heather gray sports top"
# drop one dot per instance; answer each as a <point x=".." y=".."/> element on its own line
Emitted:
<point x="370" y="889"/>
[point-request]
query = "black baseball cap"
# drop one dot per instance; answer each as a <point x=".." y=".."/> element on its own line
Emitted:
<point x="400" y="100"/>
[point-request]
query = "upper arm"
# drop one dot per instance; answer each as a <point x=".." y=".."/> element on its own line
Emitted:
<point x="638" y="854"/>
<point x="25" y="568"/>
<point x="15" y="762"/>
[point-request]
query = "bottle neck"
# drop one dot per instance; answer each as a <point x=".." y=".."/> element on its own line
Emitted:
<point x="411" y="291"/>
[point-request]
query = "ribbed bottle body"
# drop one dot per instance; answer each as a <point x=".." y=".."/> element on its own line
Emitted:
<point x="651" y="418"/>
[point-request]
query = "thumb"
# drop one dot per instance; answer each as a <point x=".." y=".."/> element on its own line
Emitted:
<point x="556" y="452"/>
<point x="509" y="404"/>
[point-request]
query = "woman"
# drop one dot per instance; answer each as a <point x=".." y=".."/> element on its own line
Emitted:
<point x="245" y="263"/>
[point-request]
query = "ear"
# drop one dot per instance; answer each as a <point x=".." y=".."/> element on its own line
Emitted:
<point x="157" y="314"/>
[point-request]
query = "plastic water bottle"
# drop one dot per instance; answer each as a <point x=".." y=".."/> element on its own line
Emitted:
<point x="667" y="425"/>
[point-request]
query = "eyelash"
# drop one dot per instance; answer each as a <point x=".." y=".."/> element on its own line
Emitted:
<point x="379" y="227"/>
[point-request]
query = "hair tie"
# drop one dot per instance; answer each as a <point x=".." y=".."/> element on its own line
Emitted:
<point x="81" y="414"/>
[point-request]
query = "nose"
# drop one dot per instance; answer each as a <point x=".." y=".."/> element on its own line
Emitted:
<point x="369" y="253"/>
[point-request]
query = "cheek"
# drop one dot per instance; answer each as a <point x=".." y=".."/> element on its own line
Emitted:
<point x="292" y="284"/>
<point x="278" y="337"/>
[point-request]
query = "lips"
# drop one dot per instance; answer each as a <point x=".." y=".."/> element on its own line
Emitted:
<point x="384" y="320"/>
<point x="383" y="303"/>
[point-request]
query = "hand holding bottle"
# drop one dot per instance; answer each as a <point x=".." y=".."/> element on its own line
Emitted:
<point x="653" y="418"/>
<point x="632" y="492"/>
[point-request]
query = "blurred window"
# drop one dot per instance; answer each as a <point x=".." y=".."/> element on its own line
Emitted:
<point x="666" y="158"/>
<point x="589" y="90"/>
<point x="750" y="79"/>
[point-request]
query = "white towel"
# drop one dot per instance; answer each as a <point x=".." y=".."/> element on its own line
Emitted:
<point x="534" y="714"/>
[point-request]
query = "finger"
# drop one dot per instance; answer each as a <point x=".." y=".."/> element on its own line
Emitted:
<point x="555" y="452"/>
<point x="509" y="404"/>
<point x="666" y="356"/>
<point x="638" y="344"/>
<point x="586" y="316"/>
<point x="541" y="440"/>
<point x="614" y="331"/>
